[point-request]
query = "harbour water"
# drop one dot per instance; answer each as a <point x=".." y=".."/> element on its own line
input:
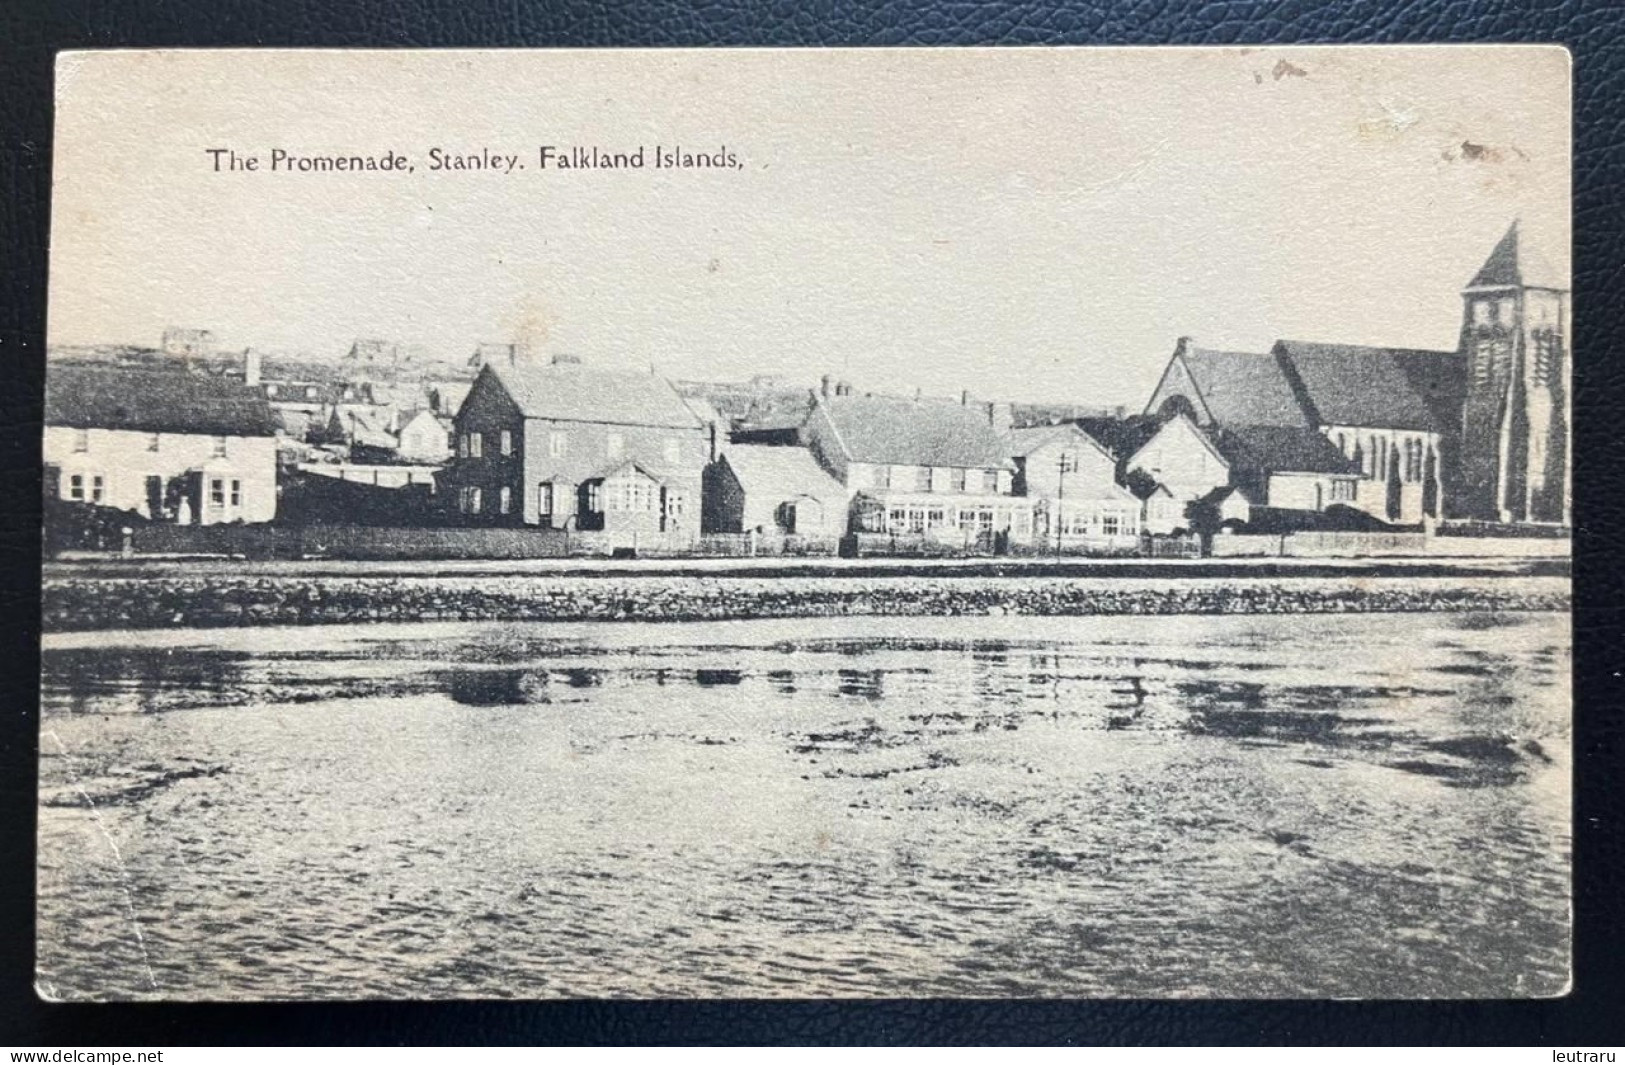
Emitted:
<point x="1298" y="805"/>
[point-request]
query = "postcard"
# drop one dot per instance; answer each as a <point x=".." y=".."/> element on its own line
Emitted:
<point x="926" y="523"/>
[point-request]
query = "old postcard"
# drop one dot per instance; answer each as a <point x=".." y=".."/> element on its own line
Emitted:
<point x="927" y="523"/>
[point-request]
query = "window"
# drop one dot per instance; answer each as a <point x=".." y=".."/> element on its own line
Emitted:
<point x="81" y="439"/>
<point x="916" y="520"/>
<point x="882" y="476"/>
<point x="153" y="441"/>
<point x="1110" y="525"/>
<point x="236" y="493"/>
<point x="462" y="446"/>
<point x="474" y="496"/>
<point x="1069" y="462"/>
<point x="507" y="445"/>
<point x="544" y="499"/>
<point x="476" y="449"/>
<point x="217" y="492"/>
<point x="897" y="519"/>
<point x="1342" y="491"/>
<point x="505" y="497"/>
<point x="557" y="444"/>
<point x="616" y="445"/>
<point x="922" y="478"/>
<point x="673" y="452"/>
<point x="595" y="497"/>
<point x="219" y="447"/>
<point x="957" y="481"/>
<point x="990" y="480"/>
<point x="76" y="488"/>
<point x="935" y="518"/>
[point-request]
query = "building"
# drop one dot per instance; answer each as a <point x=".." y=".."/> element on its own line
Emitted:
<point x="1480" y="432"/>
<point x="774" y="490"/>
<point x="166" y="443"/>
<point x="1390" y="411"/>
<point x="1385" y="412"/>
<point x="935" y="469"/>
<point x="1517" y="410"/>
<point x="1072" y="480"/>
<point x="562" y="446"/>
<point x="188" y="344"/>
<point x="424" y="436"/>
<point x="1183" y="460"/>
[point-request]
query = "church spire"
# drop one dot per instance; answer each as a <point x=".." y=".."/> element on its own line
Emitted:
<point x="1514" y="264"/>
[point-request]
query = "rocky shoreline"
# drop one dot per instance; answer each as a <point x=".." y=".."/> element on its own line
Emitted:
<point x="88" y="603"/>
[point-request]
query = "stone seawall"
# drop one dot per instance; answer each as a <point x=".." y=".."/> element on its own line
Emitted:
<point x="76" y="604"/>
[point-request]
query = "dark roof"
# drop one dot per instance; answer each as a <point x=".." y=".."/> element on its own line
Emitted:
<point x="1384" y="388"/>
<point x="1122" y="437"/>
<point x="571" y="392"/>
<point x="906" y="432"/>
<point x="1243" y="387"/>
<point x="88" y="396"/>
<point x="1280" y="449"/>
<point x="1513" y="262"/>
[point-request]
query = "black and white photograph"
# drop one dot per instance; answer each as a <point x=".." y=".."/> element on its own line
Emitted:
<point x="925" y="524"/>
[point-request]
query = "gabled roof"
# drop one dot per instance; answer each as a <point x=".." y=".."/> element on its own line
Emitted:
<point x="1382" y="388"/>
<point x="1515" y="263"/>
<point x="571" y="392"/>
<point x="1024" y="441"/>
<point x="1122" y="437"/>
<point x="784" y="472"/>
<point x="1280" y="449"/>
<point x="1242" y="387"/>
<point x="902" y="432"/>
<point x="88" y="396"/>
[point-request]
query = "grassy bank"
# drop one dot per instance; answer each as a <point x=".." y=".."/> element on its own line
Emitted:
<point x="80" y="602"/>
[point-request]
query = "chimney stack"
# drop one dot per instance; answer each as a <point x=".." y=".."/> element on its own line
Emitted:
<point x="964" y="398"/>
<point x="1001" y="416"/>
<point x="824" y="386"/>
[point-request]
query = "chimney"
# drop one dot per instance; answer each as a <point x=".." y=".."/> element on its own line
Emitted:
<point x="251" y="368"/>
<point x="566" y="360"/>
<point x="843" y="388"/>
<point x="964" y="398"/>
<point x="824" y="386"/>
<point x="1000" y="416"/>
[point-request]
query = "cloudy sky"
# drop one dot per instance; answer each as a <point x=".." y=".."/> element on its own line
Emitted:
<point x="1027" y="224"/>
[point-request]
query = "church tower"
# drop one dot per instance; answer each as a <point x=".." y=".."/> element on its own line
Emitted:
<point x="1514" y="445"/>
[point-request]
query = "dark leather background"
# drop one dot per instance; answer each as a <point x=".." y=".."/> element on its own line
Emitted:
<point x="30" y="34"/>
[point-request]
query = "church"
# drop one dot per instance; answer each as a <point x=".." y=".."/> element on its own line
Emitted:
<point x="1480" y="433"/>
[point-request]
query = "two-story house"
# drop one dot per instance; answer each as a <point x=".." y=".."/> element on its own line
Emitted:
<point x="169" y="444"/>
<point x="931" y="468"/>
<point x="562" y="446"/>
<point x="1072" y="480"/>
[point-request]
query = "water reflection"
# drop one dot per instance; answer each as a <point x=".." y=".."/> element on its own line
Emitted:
<point x="894" y="806"/>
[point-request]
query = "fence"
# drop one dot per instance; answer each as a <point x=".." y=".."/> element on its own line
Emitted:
<point x="770" y="545"/>
<point x="347" y="542"/>
<point x="1383" y="545"/>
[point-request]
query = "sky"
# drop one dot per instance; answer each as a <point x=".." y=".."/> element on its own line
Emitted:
<point x="1026" y="224"/>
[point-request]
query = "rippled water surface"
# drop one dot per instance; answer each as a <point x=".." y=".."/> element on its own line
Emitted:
<point x="1250" y="806"/>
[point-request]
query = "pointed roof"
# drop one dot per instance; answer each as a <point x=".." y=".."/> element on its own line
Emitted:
<point x="1027" y="439"/>
<point x="1242" y="387"/>
<point x="1514" y="263"/>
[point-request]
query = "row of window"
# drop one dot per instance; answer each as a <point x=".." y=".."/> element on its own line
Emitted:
<point x="917" y="518"/>
<point x="627" y="495"/>
<point x="1376" y="454"/>
<point x="92" y="488"/>
<point x="932" y="479"/>
<point x="155" y="441"/>
<point x="471" y="445"/>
